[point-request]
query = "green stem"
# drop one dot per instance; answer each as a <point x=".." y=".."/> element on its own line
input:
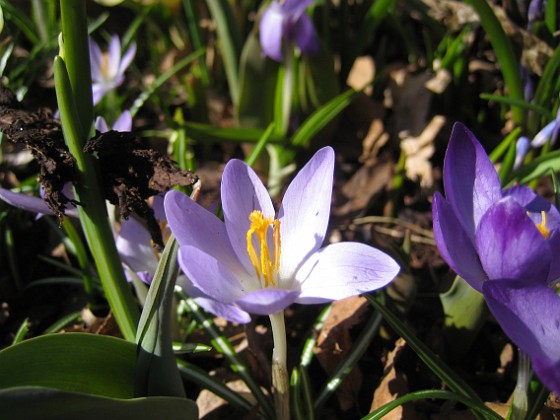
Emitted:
<point x="280" y="379"/>
<point x="73" y="80"/>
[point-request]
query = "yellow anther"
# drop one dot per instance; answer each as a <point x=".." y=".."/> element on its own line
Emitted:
<point x="264" y="266"/>
<point x="542" y="226"/>
<point x="105" y="64"/>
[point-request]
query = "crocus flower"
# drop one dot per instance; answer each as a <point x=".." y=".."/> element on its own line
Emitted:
<point x="107" y="68"/>
<point x="287" y="22"/>
<point x="505" y="244"/>
<point x="261" y="262"/>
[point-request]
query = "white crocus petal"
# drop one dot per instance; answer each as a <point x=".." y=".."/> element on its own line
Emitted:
<point x="114" y="58"/>
<point x="242" y="193"/>
<point x="101" y="125"/>
<point x="96" y="59"/>
<point x="304" y="213"/>
<point x="124" y="122"/>
<point x="343" y="270"/>
<point x="271" y="31"/>
<point x="127" y="58"/>
<point x="544" y="135"/>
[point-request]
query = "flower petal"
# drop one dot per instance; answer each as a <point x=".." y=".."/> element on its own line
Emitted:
<point x="342" y="270"/>
<point x="101" y="125"/>
<point x="212" y="276"/>
<point x="529" y="315"/>
<point x="471" y="182"/>
<point x="305" y="35"/>
<point x="554" y="271"/>
<point x="133" y="245"/>
<point x="295" y="7"/>
<point x="25" y="202"/>
<point x="242" y="192"/>
<point x="454" y="245"/>
<point x="548" y="372"/>
<point x="127" y="59"/>
<point x="124" y="122"/>
<point x="267" y="301"/>
<point x="305" y="210"/>
<point x="193" y="225"/>
<point x="232" y="313"/>
<point x="271" y="31"/>
<point x="228" y="311"/>
<point x="98" y="91"/>
<point x="96" y="59"/>
<point x="535" y="205"/>
<point x="509" y="244"/>
<point x="114" y="58"/>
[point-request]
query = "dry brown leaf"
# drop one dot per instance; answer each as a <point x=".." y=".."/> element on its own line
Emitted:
<point x="419" y="151"/>
<point x="393" y="385"/>
<point x="334" y="341"/>
<point x="361" y="74"/>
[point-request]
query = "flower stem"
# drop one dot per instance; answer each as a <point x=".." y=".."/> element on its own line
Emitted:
<point x="280" y="380"/>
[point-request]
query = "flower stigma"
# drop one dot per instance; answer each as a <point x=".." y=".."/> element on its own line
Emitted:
<point x="265" y="266"/>
<point x="542" y="226"/>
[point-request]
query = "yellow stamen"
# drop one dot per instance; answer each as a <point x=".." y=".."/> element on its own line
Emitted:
<point x="542" y="226"/>
<point x="264" y="267"/>
<point x="105" y="65"/>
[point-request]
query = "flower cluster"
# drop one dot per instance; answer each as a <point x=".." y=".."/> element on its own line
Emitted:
<point x="505" y="244"/>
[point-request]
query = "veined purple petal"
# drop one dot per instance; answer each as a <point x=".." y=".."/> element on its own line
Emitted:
<point x="193" y="225"/>
<point x="242" y="192"/>
<point x="271" y="31"/>
<point x="267" y="301"/>
<point x="454" y="245"/>
<point x="509" y="244"/>
<point x="213" y="277"/>
<point x="342" y="270"/>
<point x="530" y="316"/>
<point x="471" y="182"/>
<point x="114" y="58"/>
<point x="305" y="36"/>
<point x="305" y="210"/>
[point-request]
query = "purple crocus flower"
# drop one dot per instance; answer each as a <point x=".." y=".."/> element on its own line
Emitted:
<point x="505" y="244"/>
<point x="262" y="263"/>
<point x="107" y="69"/>
<point x="123" y="123"/>
<point x="287" y="22"/>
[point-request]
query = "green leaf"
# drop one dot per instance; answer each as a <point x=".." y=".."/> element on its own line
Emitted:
<point x="537" y="168"/>
<point x="257" y="85"/>
<point x="324" y="115"/>
<point x="79" y="362"/>
<point x="50" y="404"/>
<point x="156" y="370"/>
<point x="504" y="52"/>
<point x="230" y="42"/>
<point x="475" y="405"/>
<point x="208" y="133"/>
<point x="465" y="312"/>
